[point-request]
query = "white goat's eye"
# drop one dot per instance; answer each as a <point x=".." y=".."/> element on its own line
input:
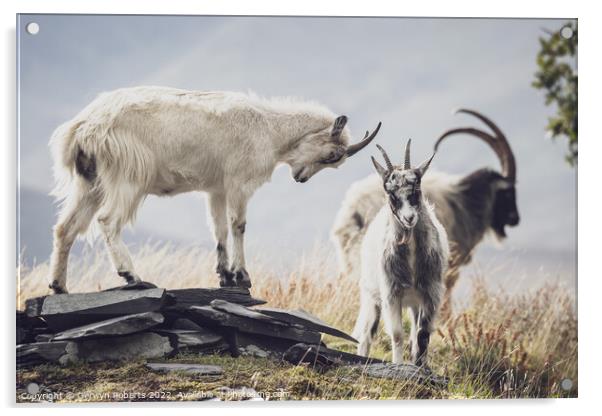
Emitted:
<point x="331" y="158"/>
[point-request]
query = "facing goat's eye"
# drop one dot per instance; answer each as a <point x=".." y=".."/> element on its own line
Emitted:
<point x="395" y="201"/>
<point x="413" y="199"/>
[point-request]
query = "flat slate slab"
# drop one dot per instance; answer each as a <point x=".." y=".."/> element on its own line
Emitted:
<point x="194" y="369"/>
<point x="250" y="322"/>
<point x="184" y="298"/>
<point x="125" y="348"/>
<point x="323" y="356"/>
<point x="121" y="325"/>
<point x="238" y="310"/>
<point x="36" y="353"/>
<point x="305" y="319"/>
<point x="71" y="310"/>
<point x="133" y="286"/>
<point x="185" y="339"/>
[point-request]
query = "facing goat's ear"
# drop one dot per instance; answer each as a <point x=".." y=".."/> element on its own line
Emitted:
<point x="381" y="171"/>
<point x="425" y="165"/>
<point x="339" y="125"/>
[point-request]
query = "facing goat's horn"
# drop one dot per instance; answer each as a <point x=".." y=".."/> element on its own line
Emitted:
<point x="354" y="148"/>
<point x="406" y="163"/>
<point x="386" y="157"/>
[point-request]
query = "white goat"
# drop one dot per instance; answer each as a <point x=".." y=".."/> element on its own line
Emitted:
<point x="404" y="256"/>
<point x="133" y="142"/>
<point x="468" y="206"/>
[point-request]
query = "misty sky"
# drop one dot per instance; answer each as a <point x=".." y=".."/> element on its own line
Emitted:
<point x="408" y="73"/>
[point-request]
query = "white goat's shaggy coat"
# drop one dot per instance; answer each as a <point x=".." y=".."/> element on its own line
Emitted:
<point x="163" y="141"/>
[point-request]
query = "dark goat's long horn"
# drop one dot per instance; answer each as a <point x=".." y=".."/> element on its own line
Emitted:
<point x="498" y="143"/>
<point x="406" y="162"/>
<point x="386" y="157"/>
<point x="354" y="148"/>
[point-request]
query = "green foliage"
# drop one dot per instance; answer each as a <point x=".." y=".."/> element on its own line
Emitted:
<point x="558" y="79"/>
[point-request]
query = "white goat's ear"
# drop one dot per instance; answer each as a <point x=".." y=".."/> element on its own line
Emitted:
<point x="381" y="171"/>
<point x="425" y="165"/>
<point x="339" y="125"/>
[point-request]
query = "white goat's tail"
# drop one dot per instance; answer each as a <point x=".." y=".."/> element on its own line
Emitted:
<point x="64" y="153"/>
<point x="121" y="167"/>
<point x="362" y="202"/>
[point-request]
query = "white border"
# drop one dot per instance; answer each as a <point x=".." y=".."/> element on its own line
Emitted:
<point x="589" y="172"/>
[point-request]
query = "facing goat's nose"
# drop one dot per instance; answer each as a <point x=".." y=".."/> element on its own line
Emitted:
<point x="409" y="218"/>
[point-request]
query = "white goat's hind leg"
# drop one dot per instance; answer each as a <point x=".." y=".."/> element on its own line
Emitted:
<point x="237" y="209"/>
<point x="366" y="325"/>
<point x="115" y="212"/>
<point x="74" y="219"/>
<point x="392" y="313"/>
<point x="118" y="251"/>
<point x="219" y="224"/>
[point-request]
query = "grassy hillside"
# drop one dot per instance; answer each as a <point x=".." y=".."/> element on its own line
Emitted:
<point x="497" y="346"/>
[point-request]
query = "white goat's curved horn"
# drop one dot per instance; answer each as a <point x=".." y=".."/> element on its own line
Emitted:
<point x="354" y="148"/>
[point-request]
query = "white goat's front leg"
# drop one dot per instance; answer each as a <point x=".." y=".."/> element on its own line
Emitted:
<point x="219" y="223"/>
<point x="118" y="251"/>
<point x="237" y="210"/>
<point x="366" y="325"/>
<point x="392" y="313"/>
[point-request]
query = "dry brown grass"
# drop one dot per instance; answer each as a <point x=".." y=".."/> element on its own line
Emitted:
<point x="499" y="345"/>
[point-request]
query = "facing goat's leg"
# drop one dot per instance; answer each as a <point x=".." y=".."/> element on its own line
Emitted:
<point x="237" y="210"/>
<point x="219" y="222"/>
<point x="422" y="326"/>
<point x="74" y="219"/>
<point x="366" y="325"/>
<point x="392" y="313"/>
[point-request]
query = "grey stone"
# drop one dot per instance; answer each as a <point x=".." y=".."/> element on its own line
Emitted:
<point x="122" y="325"/>
<point x="28" y="328"/>
<point x="44" y="337"/>
<point x="238" y="310"/>
<point x="184" y="298"/>
<point x="185" y="324"/>
<point x="62" y="352"/>
<point x="305" y="319"/>
<point x="125" y="348"/>
<point x="22" y="335"/>
<point x="71" y="310"/>
<point x="202" y="339"/>
<point x="250" y="322"/>
<point x="195" y="369"/>
<point x="322" y="357"/>
<point x="253" y="350"/>
<point x="133" y="286"/>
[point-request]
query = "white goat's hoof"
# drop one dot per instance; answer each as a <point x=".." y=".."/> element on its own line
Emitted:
<point x="56" y="288"/>
<point x="242" y="278"/>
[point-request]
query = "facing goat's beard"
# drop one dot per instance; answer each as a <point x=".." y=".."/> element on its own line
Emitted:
<point x="404" y="235"/>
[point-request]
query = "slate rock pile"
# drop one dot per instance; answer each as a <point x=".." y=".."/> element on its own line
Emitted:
<point x="146" y="322"/>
